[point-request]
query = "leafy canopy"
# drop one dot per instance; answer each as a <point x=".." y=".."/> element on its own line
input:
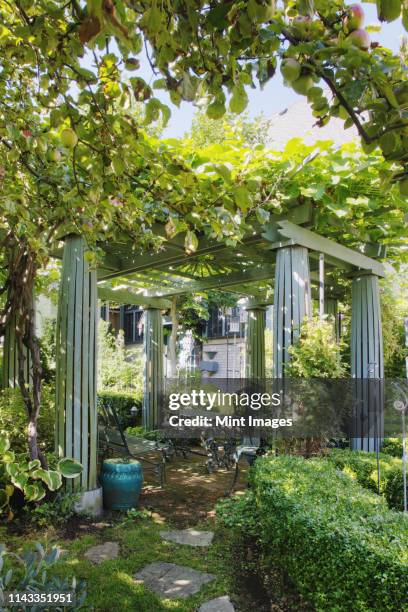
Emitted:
<point x="76" y="157"/>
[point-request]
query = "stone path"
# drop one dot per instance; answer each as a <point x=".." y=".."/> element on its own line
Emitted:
<point x="191" y="537"/>
<point x="172" y="581"/>
<point x="168" y="579"/>
<point x="220" y="604"/>
<point x="102" y="552"/>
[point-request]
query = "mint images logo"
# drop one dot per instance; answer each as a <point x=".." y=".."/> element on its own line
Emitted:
<point x="219" y="401"/>
<point x="227" y="421"/>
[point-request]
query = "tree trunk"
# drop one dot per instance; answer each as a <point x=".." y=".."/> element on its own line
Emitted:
<point x="22" y="272"/>
<point x="173" y="338"/>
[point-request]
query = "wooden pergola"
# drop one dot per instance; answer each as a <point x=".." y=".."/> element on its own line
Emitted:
<point x="279" y="263"/>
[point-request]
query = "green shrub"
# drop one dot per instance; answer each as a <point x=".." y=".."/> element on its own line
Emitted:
<point x="13" y="419"/>
<point x="122" y="403"/>
<point x="338" y="543"/>
<point x="394" y="488"/>
<point x="119" y="368"/>
<point x="363" y="466"/>
<point x="316" y="354"/>
<point x="54" y="511"/>
<point x="392" y="446"/>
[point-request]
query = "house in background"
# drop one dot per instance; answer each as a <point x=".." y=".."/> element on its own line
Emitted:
<point x="221" y="354"/>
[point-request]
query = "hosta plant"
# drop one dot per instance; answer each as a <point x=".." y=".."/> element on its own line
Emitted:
<point x="18" y="472"/>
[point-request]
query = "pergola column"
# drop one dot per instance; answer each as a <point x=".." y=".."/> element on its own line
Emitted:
<point x="76" y="425"/>
<point x="292" y="302"/>
<point x="153" y="372"/>
<point x="255" y="343"/>
<point x="331" y="309"/>
<point x="367" y="360"/>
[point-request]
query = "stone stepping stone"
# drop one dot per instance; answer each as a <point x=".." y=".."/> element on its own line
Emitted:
<point x="102" y="552"/>
<point x="191" y="537"/>
<point x="220" y="604"/>
<point x="172" y="581"/>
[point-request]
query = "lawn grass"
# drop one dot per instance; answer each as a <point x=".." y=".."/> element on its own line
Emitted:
<point x="110" y="584"/>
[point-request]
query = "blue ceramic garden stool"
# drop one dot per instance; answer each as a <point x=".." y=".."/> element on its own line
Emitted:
<point x="121" y="483"/>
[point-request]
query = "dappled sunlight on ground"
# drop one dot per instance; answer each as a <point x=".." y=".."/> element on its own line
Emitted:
<point x="190" y="492"/>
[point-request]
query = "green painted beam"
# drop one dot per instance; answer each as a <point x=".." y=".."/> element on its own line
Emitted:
<point x="313" y="241"/>
<point x="222" y="281"/>
<point x="300" y="214"/>
<point x="127" y="296"/>
<point x="76" y="410"/>
<point x="165" y="259"/>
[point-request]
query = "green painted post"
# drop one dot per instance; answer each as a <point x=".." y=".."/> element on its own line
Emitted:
<point x="292" y="302"/>
<point x="367" y="360"/>
<point x="331" y="309"/>
<point x="255" y="343"/>
<point x="10" y="358"/>
<point x="153" y="372"/>
<point x="76" y="411"/>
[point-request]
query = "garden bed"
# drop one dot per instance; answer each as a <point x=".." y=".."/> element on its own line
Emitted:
<point x="336" y="543"/>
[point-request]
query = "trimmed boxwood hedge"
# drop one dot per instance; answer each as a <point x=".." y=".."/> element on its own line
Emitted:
<point x="394" y="488"/>
<point x="392" y="446"/>
<point x="122" y="402"/>
<point x="337" y="542"/>
<point x="363" y="467"/>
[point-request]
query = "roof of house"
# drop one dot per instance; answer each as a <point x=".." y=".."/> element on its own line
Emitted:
<point x="297" y="121"/>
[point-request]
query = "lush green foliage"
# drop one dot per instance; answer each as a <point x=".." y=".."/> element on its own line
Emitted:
<point x="55" y="510"/>
<point x="72" y="120"/>
<point x="394" y="299"/>
<point x="119" y="369"/>
<point x="316" y="353"/>
<point x="392" y="446"/>
<point x="48" y="351"/>
<point x="231" y="128"/>
<point x="394" y="488"/>
<point x="194" y="310"/>
<point x="18" y="472"/>
<point x="239" y="45"/>
<point x="13" y="419"/>
<point x="338" y="543"/>
<point x="122" y="402"/>
<point x="362" y="467"/>
<point x="30" y="572"/>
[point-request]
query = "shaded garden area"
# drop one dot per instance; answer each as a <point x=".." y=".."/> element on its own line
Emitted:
<point x="299" y="249"/>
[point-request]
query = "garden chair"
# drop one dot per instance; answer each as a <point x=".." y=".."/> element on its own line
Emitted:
<point x="112" y="439"/>
<point x="249" y="450"/>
